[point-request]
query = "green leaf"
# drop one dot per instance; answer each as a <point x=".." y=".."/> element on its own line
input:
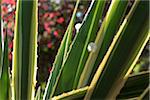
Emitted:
<point x="104" y="37"/>
<point x="38" y="94"/>
<point x="56" y="69"/>
<point x="60" y="58"/>
<point x="69" y="30"/>
<point x="1" y="32"/>
<point x="4" y="64"/>
<point x="25" y="50"/>
<point x="135" y="86"/>
<point x="4" y="80"/>
<point x="145" y="94"/>
<point x="74" y="94"/>
<point x="78" y="47"/>
<point x="122" y="52"/>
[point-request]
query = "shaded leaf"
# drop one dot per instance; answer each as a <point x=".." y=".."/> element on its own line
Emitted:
<point x="134" y="86"/>
<point x="104" y="37"/>
<point x="78" y="47"/>
<point x="60" y="58"/>
<point x="4" y="80"/>
<point x="74" y="94"/>
<point x="123" y="50"/>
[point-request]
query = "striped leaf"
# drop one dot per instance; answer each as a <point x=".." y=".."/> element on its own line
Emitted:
<point x="25" y="50"/>
<point x="4" y="80"/>
<point x="135" y="87"/>
<point x="123" y="50"/>
<point x="38" y="94"/>
<point x="1" y="33"/>
<point x="104" y="37"/>
<point x="74" y="94"/>
<point x="60" y="58"/>
<point x="78" y="50"/>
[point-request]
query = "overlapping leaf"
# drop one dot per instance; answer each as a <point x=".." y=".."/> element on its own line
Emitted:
<point x="135" y="86"/>
<point x="60" y="58"/>
<point x="78" y="50"/>
<point x="105" y="35"/>
<point x="125" y="47"/>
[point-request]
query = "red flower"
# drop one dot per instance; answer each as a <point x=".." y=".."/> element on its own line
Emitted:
<point x="9" y="25"/>
<point x="42" y="0"/>
<point x="49" y="45"/>
<point x="8" y="17"/>
<point x="60" y="20"/>
<point x="10" y="56"/>
<point x="46" y="15"/>
<point x="46" y="25"/>
<point x="5" y="9"/>
<point x="56" y="34"/>
<point x="12" y="2"/>
<point x="51" y="23"/>
<point x="57" y="13"/>
<point x="45" y="7"/>
<point x="47" y="28"/>
<point x="9" y="32"/>
<point x="10" y="45"/>
<point x="51" y="15"/>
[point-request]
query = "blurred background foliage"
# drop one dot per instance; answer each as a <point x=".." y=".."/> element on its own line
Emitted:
<point x="53" y="19"/>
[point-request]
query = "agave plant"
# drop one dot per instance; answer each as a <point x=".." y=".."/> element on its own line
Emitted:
<point x="95" y="64"/>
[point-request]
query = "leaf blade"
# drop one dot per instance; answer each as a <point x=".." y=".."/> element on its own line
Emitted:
<point x="60" y="58"/>
<point x="25" y="49"/>
<point x="73" y="57"/>
<point x="105" y="35"/>
<point x="108" y="66"/>
<point x="4" y="80"/>
<point x="74" y="94"/>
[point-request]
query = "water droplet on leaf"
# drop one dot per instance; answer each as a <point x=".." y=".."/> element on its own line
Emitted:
<point x="79" y="14"/>
<point x="100" y="21"/>
<point x="77" y="26"/>
<point x="92" y="47"/>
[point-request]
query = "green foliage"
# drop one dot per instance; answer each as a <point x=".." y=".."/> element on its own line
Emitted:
<point x="25" y="51"/>
<point x="72" y="94"/>
<point x="126" y="46"/>
<point x="60" y="58"/>
<point x="4" y="79"/>
<point x="135" y="87"/>
<point x="104" y="37"/>
<point x="78" y="50"/>
<point x="99" y="73"/>
<point x="1" y="54"/>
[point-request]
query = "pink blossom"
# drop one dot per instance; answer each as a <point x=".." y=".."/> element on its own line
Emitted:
<point x="49" y="45"/>
<point x="46" y="15"/>
<point x="45" y="7"/>
<point x="56" y="34"/>
<point x="10" y="45"/>
<point x="51" y="23"/>
<point x="51" y="15"/>
<point x="10" y="56"/>
<point x="60" y="20"/>
<point x="12" y="2"/>
<point x="9" y="32"/>
<point x="47" y="28"/>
